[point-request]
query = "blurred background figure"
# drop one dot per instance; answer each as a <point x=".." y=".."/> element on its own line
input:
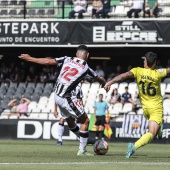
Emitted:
<point x="22" y="108"/>
<point x="13" y="108"/>
<point x="99" y="71"/>
<point x="104" y="10"/>
<point x="127" y="97"/>
<point x="115" y="97"/>
<point x="135" y="7"/>
<point x="152" y="8"/>
<point x="97" y="6"/>
<point x="79" y="7"/>
<point x="100" y="108"/>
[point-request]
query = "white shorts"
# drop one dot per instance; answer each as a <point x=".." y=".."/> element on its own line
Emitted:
<point x="69" y="106"/>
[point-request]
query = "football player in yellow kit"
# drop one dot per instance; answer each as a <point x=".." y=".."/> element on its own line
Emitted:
<point x="148" y="80"/>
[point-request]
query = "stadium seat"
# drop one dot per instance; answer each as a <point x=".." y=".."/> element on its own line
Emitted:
<point x="35" y="97"/>
<point x="41" y="105"/>
<point x="119" y="11"/>
<point x="43" y="116"/>
<point x="13" y="2"/>
<point x="22" y="85"/>
<point x="31" y="106"/>
<point x="13" y="85"/>
<point x="33" y="116"/>
<point x="17" y="95"/>
<point x="3" y="90"/>
<point x="11" y="89"/>
<point x="13" y="12"/>
<point x="49" y="86"/>
<point x="4" y="86"/>
<point x="10" y="95"/>
<point x="121" y="88"/>
<point x="43" y="100"/>
<point x="21" y="2"/>
<point x="52" y="117"/>
<point x="166" y="106"/>
<point x="116" y="108"/>
<point x="167" y="89"/>
<point x="13" y="117"/>
<point x="132" y="88"/>
<point x="27" y="95"/>
<point x="119" y="119"/>
<point x="30" y="84"/>
<point x="112" y="10"/>
<point x="29" y="90"/>
<point x="4" y="3"/>
<point x="31" y="12"/>
<point x="20" y="90"/>
<point x="163" y="87"/>
<point x="132" y="113"/>
<point x="50" y="12"/>
<point x="127" y="107"/>
<point x="4" y="12"/>
<point x="166" y="80"/>
<point x="46" y="110"/>
<point x="41" y="12"/>
<point x="1" y="96"/>
<point x="36" y="110"/>
<point x="40" y="85"/>
<point x="46" y="93"/>
<point x="140" y="111"/>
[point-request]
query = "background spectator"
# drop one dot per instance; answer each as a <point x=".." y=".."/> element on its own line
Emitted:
<point x="22" y="108"/>
<point x="136" y="8"/>
<point x="104" y="10"/>
<point x="127" y="97"/>
<point x="115" y="97"/>
<point x="115" y="73"/>
<point x="153" y="8"/>
<point x="79" y="7"/>
<point x="99" y="71"/>
<point x="97" y="6"/>
<point x="13" y="108"/>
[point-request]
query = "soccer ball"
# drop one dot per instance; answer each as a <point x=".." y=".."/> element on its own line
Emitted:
<point x="100" y="147"/>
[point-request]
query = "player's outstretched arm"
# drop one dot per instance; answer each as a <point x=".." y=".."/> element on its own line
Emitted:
<point x="43" y="61"/>
<point x="101" y="80"/>
<point x="117" y="79"/>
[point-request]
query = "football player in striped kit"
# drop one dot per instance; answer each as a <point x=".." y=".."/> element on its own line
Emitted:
<point x="74" y="127"/>
<point x="73" y="70"/>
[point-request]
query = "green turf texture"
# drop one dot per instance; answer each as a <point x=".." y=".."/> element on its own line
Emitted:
<point x="48" y="156"/>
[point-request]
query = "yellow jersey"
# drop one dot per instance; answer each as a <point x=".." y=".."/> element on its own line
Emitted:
<point x="149" y="82"/>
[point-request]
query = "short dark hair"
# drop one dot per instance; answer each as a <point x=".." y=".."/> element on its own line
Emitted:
<point x="101" y="95"/>
<point x="150" y="58"/>
<point x="82" y="48"/>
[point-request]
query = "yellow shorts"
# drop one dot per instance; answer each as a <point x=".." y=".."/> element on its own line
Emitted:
<point x="154" y="114"/>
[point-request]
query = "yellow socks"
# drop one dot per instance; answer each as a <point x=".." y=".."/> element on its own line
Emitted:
<point x="145" y="139"/>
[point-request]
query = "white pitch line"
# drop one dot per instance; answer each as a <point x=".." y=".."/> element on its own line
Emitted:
<point x="86" y="163"/>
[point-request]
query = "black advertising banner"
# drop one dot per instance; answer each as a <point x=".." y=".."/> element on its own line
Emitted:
<point x="33" y="32"/>
<point x="120" y="32"/>
<point x="91" y="32"/>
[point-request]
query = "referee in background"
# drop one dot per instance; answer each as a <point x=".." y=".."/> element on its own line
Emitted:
<point x="100" y="108"/>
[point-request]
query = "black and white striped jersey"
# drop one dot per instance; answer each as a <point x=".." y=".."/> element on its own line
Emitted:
<point x="72" y="71"/>
<point x="77" y="92"/>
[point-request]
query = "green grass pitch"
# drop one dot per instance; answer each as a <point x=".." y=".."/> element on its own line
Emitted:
<point x="45" y="155"/>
